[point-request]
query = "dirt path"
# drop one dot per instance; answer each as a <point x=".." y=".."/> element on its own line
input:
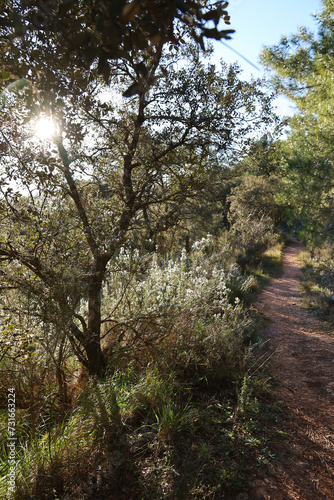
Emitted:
<point x="303" y="367"/>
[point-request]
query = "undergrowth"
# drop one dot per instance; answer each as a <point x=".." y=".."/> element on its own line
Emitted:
<point x="164" y="438"/>
<point x="179" y="415"/>
<point x="318" y="282"/>
<point x="269" y="265"/>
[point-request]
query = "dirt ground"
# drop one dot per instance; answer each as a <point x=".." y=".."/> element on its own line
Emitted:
<point x="303" y="371"/>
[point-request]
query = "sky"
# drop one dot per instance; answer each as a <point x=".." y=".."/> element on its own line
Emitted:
<point x="263" y="22"/>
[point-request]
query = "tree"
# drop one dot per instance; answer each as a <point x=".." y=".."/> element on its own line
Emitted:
<point x="302" y="69"/>
<point x="120" y="162"/>
<point x="264" y="157"/>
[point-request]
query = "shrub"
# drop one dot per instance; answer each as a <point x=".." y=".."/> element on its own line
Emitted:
<point x="183" y="314"/>
<point x="318" y="280"/>
<point x="254" y="214"/>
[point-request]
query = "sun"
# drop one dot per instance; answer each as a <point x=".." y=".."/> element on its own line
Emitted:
<point x="45" y="128"/>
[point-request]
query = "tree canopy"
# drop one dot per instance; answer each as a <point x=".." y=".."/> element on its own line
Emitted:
<point x="88" y="34"/>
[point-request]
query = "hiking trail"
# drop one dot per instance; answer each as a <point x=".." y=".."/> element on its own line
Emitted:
<point x="303" y="370"/>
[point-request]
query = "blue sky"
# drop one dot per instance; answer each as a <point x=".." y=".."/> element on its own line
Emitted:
<point x="263" y="22"/>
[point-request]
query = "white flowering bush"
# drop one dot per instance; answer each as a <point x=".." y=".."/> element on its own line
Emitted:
<point x="188" y="311"/>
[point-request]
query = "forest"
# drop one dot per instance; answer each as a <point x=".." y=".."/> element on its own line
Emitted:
<point x="146" y="197"/>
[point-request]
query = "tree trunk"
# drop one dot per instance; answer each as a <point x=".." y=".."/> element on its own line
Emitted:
<point x="96" y="360"/>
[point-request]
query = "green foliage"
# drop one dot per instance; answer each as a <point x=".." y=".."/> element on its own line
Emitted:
<point x="270" y="264"/>
<point x="302" y="69"/>
<point x="169" y="430"/>
<point x="118" y="172"/>
<point x="264" y="157"/>
<point x="145" y="135"/>
<point x="142" y="415"/>
<point x="247" y="404"/>
<point x="318" y="281"/>
<point x="100" y="33"/>
<point x="55" y="460"/>
<point x="255" y="211"/>
<point x="255" y="198"/>
<point x="186" y="312"/>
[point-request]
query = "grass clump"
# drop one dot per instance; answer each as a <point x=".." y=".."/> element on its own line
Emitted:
<point x="270" y="264"/>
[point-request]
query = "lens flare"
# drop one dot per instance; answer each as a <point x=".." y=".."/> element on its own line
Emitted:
<point x="45" y="128"/>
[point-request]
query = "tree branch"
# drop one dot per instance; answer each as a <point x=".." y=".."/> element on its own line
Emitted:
<point x="76" y="198"/>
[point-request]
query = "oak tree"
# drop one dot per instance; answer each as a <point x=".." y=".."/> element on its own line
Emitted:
<point x="128" y="152"/>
